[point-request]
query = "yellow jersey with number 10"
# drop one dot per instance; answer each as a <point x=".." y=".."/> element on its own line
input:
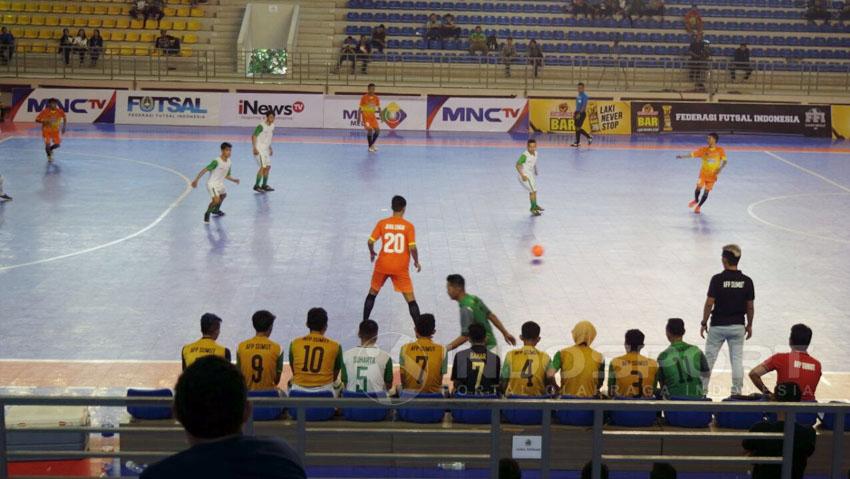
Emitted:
<point x="314" y="359"/>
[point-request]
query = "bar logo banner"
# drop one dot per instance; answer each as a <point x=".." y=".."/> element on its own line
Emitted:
<point x="604" y="117"/>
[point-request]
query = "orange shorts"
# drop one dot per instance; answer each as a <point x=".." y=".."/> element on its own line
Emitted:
<point x="707" y="180"/>
<point x="401" y="281"/>
<point x="51" y="136"/>
<point x="370" y="122"/>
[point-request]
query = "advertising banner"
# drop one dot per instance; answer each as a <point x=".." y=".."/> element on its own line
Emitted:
<point x="396" y="113"/>
<point x="81" y="106"/>
<point x="151" y="107"/>
<point x="841" y="122"/>
<point x="662" y="117"/>
<point x="291" y="110"/>
<point x="603" y="117"/>
<point x="477" y="114"/>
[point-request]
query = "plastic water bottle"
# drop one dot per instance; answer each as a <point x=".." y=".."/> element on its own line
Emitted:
<point x="452" y="466"/>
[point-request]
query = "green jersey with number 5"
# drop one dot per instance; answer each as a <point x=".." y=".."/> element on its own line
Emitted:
<point x="367" y="369"/>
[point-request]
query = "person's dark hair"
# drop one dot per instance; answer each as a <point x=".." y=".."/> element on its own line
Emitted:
<point x="587" y="471"/>
<point x="509" y="469"/>
<point x="270" y="113"/>
<point x="426" y="325"/>
<point x="399" y="203"/>
<point x="477" y="333"/>
<point x="676" y="326"/>
<point x="532" y="140"/>
<point x="788" y="392"/>
<point x="634" y="339"/>
<point x="580" y="83"/>
<point x="662" y="470"/>
<point x="715" y="136"/>
<point x="209" y="323"/>
<point x="368" y="330"/>
<point x="530" y="330"/>
<point x="801" y="335"/>
<point x="53" y="101"/>
<point x="732" y="254"/>
<point x="371" y="85"/>
<point x="456" y="280"/>
<point x="262" y="321"/>
<point x="226" y="145"/>
<point x="210" y="397"/>
<point x="317" y="319"/>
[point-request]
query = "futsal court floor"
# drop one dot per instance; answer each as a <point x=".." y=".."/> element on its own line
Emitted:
<point x="106" y="265"/>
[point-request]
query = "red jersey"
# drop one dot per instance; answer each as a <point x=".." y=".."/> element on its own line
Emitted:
<point x="796" y="367"/>
<point x="397" y="236"/>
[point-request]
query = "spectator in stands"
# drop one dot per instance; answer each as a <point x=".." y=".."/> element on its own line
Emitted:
<point x="509" y="469"/>
<point x="609" y="8"/>
<point x="155" y="10"/>
<point x="693" y="21"/>
<point x="379" y="38"/>
<point x="508" y="54"/>
<point x="656" y="7"/>
<point x="476" y="370"/>
<point x="207" y="345"/>
<point x="535" y="56"/>
<point x="524" y="371"/>
<point x="423" y="362"/>
<point x="804" y="439"/>
<point x="315" y="359"/>
<point x="580" y="7"/>
<point x="492" y="42"/>
<point x="587" y="471"/>
<point x="817" y="10"/>
<point x="844" y="12"/>
<point x="211" y="402"/>
<point x="698" y="57"/>
<point x="449" y="29"/>
<point x="81" y="45"/>
<point x="741" y="61"/>
<point x="634" y="9"/>
<point x="167" y="44"/>
<point x="796" y="366"/>
<point x="662" y="470"/>
<point x="632" y="375"/>
<point x="477" y="41"/>
<point x="730" y="305"/>
<point x="348" y="53"/>
<point x="7" y="46"/>
<point x="367" y="368"/>
<point x="433" y="28"/>
<point x="260" y="359"/>
<point x="364" y="51"/>
<point x="681" y="366"/>
<point x="95" y="47"/>
<point x="139" y="10"/>
<point x="66" y="44"/>
<point x="582" y="368"/>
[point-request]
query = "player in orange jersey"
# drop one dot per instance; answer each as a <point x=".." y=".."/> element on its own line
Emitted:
<point x="50" y="118"/>
<point x="713" y="161"/>
<point x="398" y="244"/>
<point x="370" y="106"/>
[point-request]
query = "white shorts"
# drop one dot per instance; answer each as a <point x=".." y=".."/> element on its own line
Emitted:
<point x="216" y="190"/>
<point x="263" y="160"/>
<point x="326" y="388"/>
<point x="531" y="184"/>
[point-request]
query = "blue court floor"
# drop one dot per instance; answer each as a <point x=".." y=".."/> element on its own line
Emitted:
<point x="104" y="255"/>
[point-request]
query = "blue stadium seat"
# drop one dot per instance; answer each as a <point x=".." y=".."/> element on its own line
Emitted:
<point x="633" y="418"/>
<point x="149" y="412"/>
<point x="266" y="413"/>
<point x="365" y="414"/>
<point x="421" y="416"/>
<point x="828" y="422"/>
<point x="688" y="418"/>
<point x="574" y="418"/>
<point x="314" y="413"/>
<point x="737" y="420"/>
<point x="523" y="416"/>
<point x="472" y="416"/>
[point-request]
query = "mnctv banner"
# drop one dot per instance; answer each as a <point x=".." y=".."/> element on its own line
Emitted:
<point x="556" y="116"/>
<point x="477" y="114"/>
<point x="80" y="106"/>
<point x="397" y="113"/>
<point x="149" y="107"/>
<point x="663" y="117"/>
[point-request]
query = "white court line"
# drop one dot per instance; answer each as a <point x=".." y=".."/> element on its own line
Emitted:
<point x="159" y="219"/>
<point x="811" y="172"/>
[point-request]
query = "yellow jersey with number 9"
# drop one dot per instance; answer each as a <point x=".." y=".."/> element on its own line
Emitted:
<point x="525" y="372"/>
<point x="314" y="360"/>
<point x="261" y="362"/>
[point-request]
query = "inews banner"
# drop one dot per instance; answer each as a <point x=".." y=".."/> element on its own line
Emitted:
<point x="662" y="117"/>
<point x="603" y="117"/>
<point x="149" y="107"/>
<point x="291" y="110"/>
<point x="81" y="106"/>
<point x="841" y="122"/>
<point x="396" y="113"/>
<point x="447" y="113"/>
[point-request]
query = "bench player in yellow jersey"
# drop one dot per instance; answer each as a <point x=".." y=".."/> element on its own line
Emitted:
<point x="582" y="368"/>
<point x="423" y="362"/>
<point x="206" y="346"/>
<point x="713" y="161"/>
<point x="315" y="359"/>
<point x="260" y="359"/>
<point x="524" y="371"/>
<point x="632" y="375"/>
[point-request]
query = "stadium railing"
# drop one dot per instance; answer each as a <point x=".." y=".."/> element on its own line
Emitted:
<point x="599" y="407"/>
<point x="601" y="72"/>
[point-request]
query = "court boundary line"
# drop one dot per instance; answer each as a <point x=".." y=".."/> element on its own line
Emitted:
<point x="174" y="204"/>
<point x="811" y="172"/>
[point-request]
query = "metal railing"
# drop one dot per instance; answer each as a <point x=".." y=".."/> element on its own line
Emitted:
<point x="602" y="72"/>
<point x="599" y="433"/>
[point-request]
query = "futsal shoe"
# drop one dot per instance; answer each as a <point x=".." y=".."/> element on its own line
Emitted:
<point x="268" y="188"/>
<point x="259" y="189"/>
<point x="5" y="198"/>
<point x="575" y="145"/>
<point x="589" y="141"/>
<point x="218" y="213"/>
<point x="535" y="212"/>
<point x="697" y="210"/>
<point x="692" y="203"/>
<point x="540" y="208"/>
<point x="207" y="218"/>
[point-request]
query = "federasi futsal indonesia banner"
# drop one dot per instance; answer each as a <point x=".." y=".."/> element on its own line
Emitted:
<point x="603" y="117"/>
<point x="150" y="107"/>
<point x="664" y="117"/>
<point x="477" y="114"/>
<point x="80" y="105"/>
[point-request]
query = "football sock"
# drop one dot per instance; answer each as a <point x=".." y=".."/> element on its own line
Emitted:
<point x="368" y="305"/>
<point x="413" y="307"/>
<point x="265" y="180"/>
<point x="696" y="194"/>
<point x="259" y="179"/>
<point x="704" y="197"/>
<point x="375" y="136"/>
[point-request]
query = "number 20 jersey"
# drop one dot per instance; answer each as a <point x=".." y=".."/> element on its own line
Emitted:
<point x="396" y="235"/>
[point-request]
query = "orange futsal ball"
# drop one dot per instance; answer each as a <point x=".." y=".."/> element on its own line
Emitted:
<point x="537" y="250"/>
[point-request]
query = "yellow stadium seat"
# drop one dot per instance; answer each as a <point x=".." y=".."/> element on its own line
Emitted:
<point x="72" y="8"/>
<point x="166" y="24"/>
<point x="5" y="5"/>
<point x="108" y="23"/>
<point x="178" y="25"/>
<point x="193" y="25"/>
<point x="66" y="21"/>
<point x="44" y="8"/>
<point x="197" y="12"/>
<point x="142" y="52"/>
<point x="9" y="19"/>
<point x="30" y="33"/>
<point x="126" y="51"/>
<point x="114" y="10"/>
<point x="20" y="48"/>
<point x="147" y="37"/>
<point x="136" y="24"/>
<point x="16" y="31"/>
<point x="132" y="36"/>
<point x="185" y="52"/>
<point x="118" y="36"/>
<point x="100" y="10"/>
<point x="36" y="20"/>
<point x="122" y="23"/>
<point x="106" y="35"/>
<point x="169" y="12"/>
<point x="39" y="48"/>
<point x="45" y="34"/>
<point x="80" y="22"/>
<point x="95" y="23"/>
<point x="58" y="8"/>
<point x="184" y="12"/>
<point x="151" y="25"/>
<point x="19" y="6"/>
<point x="29" y="7"/>
<point x="57" y="34"/>
<point x="52" y="21"/>
<point x="190" y="38"/>
<point x="86" y="10"/>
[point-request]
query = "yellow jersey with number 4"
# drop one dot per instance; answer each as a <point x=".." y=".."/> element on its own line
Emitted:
<point x="261" y="361"/>
<point x="525" y="372"/>
<point x="314" y="360"/>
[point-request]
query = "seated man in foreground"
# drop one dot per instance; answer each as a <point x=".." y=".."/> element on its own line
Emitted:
<point x="211" y="402"/>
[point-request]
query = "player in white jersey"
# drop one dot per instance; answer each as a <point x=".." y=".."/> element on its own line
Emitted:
<point x="261" y="141"/>
<point x="526" y="166"/>
<point x="366" y="368"/>
<point x="219" y="170"/>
